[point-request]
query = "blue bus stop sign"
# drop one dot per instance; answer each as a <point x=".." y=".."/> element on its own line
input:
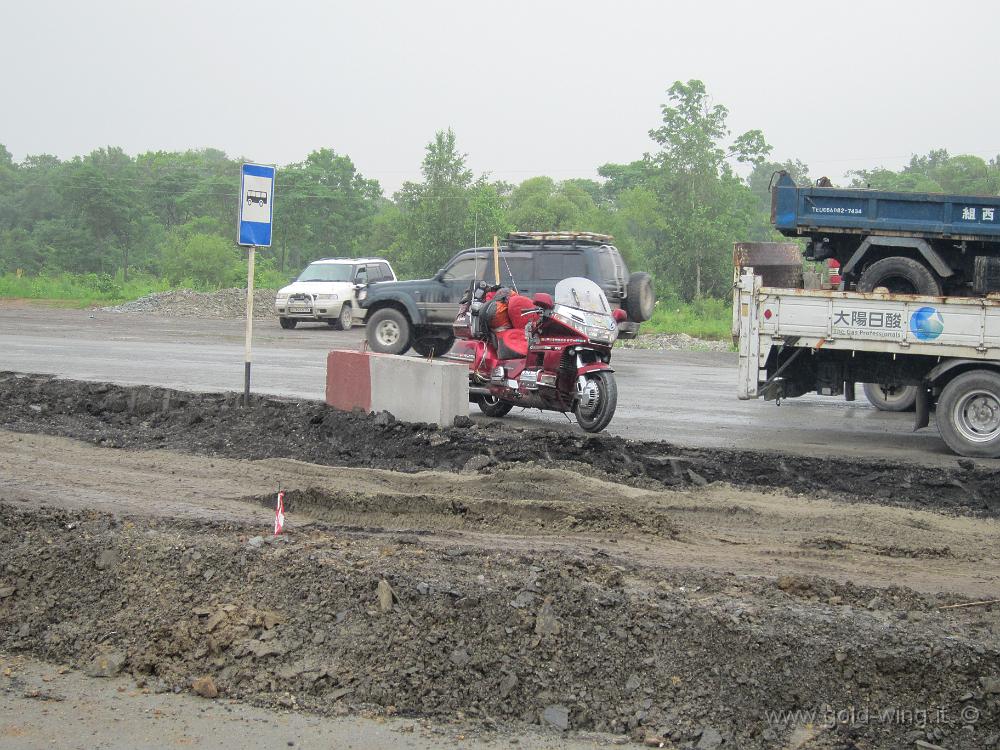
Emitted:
<point x="256" y="205"/>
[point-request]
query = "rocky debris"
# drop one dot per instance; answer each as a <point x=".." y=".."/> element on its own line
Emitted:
<point x="546" y="622"/>
<point x="106" y="559"/>
<point x="635" y="654"/>
<point x="205" y="687"/>
<point x="674" y="342"/>
<point x="710" y="739"/>
<point x="185" y="303"/>
<point x="215" y="423"/>
<point x="385" y="596"/>
<point x="556" y="716"/>
<point x="477" y="463"/>
<point x="106" y="665"/>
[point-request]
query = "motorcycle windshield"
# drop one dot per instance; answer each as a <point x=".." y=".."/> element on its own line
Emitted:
<point x="583" y="294"/>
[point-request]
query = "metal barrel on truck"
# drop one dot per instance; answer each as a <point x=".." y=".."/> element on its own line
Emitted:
<point x="911" y="243"/>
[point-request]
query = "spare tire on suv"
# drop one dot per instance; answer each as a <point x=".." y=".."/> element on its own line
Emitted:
<point x="641" y="298"/>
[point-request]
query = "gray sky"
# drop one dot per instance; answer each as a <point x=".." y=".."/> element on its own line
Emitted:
<point x="530" y="88"/>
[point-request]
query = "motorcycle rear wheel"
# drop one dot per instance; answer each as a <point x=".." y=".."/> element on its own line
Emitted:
<point x="492" y="406"/>
<point x="599" y="416"/>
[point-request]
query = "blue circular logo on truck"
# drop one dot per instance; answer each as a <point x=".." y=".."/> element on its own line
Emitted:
<point x="926" y="323"/>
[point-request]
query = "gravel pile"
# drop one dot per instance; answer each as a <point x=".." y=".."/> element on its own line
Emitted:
<point x="184" y="303"/>
<point x="675" y="342"/>
<point x="330" y="620"/>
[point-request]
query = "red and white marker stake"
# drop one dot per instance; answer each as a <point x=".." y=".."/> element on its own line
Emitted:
<point x="279" y="513"/>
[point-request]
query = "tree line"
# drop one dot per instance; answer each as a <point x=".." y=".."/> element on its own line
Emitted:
<point x="674" y="212"/>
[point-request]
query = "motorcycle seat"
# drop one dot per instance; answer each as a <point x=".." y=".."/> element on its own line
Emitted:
<point x="517" y="309"/>
<point x="512" y="344"/>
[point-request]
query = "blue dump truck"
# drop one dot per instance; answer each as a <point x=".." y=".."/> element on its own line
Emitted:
<point x="909" y="243"/>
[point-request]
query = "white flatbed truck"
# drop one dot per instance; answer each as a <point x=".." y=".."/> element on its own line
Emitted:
<point x="798" y="341"/>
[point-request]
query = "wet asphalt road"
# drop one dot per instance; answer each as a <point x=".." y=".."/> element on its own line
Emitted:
<point x="686" y="398"/>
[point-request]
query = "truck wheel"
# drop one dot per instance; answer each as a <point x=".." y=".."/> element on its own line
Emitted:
<point x="388" y="331"/>
<point x="344" y="320"/>
<point x="901" y="276"/>
<point x="641" y="298"/>
<point x="968" y="414"/>
<point x="893" y="398"/>
<point x="287" y="323"/>
<point x="433" y="346"/>
<point x="596" y="416"/>
<point x="492" y="406"/>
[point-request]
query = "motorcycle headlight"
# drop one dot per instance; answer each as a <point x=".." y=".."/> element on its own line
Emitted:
<point x="566" y="320"/>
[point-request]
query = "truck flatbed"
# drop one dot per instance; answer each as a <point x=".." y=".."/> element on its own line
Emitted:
<point x="796" y="341"/>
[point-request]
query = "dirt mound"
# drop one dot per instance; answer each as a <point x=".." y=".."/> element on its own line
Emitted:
<point x="326" y="620"/>
<point x="146" y="417"/>
<point x="184" y="303"/>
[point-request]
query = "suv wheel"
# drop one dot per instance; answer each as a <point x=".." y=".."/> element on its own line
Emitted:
<point x="641" y="297"/>
<point x="344" y="320"/>
<point x="388" y="331"/>
<point x="433" y="346"/>
<point x="287" y="323"/>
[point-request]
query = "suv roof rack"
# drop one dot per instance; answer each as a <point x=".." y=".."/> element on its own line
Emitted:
<point x="562" y="238"/>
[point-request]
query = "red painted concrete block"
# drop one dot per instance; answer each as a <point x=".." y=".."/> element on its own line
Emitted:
<point x="349" y="380"/>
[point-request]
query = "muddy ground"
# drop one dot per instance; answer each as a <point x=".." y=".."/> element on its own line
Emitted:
<point x="148" y="417"/>
<point x="575" y="584"/>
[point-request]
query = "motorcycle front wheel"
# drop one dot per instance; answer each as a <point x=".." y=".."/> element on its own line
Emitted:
<point x="492" y="406"/>
<point x="597" y="416"/>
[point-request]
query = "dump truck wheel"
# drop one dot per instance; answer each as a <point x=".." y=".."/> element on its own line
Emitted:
<point x="901" y="276"/>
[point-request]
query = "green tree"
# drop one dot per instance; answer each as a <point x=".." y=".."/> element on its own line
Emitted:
<point x="692" y="205"/>
<point x="935" y="172"/>
<point x="323" y="207"/>
<point x="540" y="204"/>
<point x="194" y="253"/>
<point x="435" y="212"/>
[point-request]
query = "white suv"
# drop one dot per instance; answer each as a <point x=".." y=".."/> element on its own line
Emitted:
<point x="326" y="291"/>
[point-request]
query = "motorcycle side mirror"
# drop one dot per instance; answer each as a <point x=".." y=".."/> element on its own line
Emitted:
<point x="619" y="315"/>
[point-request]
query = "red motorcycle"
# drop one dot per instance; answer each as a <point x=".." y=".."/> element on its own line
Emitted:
<point x="545" y="353"/>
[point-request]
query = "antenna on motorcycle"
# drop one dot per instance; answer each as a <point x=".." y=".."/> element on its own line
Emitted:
<point x="510" y="273"/>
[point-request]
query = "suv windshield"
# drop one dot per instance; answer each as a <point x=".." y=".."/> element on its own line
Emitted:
<point x="326" y="272"/>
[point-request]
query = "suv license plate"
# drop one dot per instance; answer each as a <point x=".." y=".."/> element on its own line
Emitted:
<point x="299" y="309"/>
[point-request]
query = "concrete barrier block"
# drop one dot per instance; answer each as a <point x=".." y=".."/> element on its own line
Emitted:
<point x="418" y="390"/>
<point x="348" y="380"/>
<point x="411" y="389"/>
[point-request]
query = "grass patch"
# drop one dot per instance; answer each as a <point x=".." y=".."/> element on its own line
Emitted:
<point x="83" y="290"/>
<point x="706" y="318"/>
<point x="78" y="290"/>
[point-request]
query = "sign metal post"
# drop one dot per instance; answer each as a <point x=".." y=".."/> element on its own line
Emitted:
<point x="256" y="212"/>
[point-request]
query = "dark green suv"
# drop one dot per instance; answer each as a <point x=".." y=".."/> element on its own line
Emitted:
<point x="419" y="314"/>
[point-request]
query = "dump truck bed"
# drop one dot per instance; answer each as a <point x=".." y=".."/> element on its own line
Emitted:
<point x="809" y="210"/>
